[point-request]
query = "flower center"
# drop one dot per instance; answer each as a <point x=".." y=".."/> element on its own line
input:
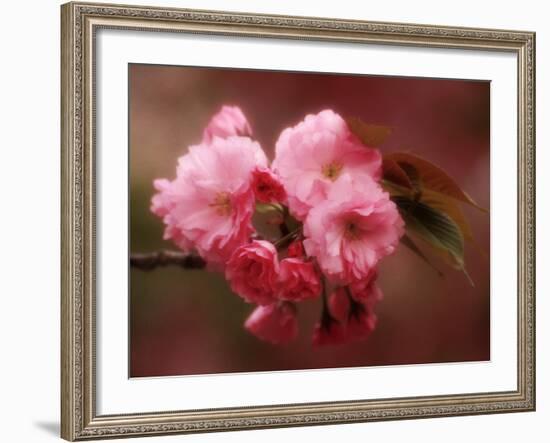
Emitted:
<point x="351" y="230"/>
<point x="222" y="204"/>
<point x="332" y="170"/>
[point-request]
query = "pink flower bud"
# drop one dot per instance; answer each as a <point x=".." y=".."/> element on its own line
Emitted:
<point x="229" y="121"/>
<point x="267" y="186"/>
<point x="339" y="305"/>
<point x="296" y="249"/>
<point x="275" y="323"/>
<point x="298" y="280"/>
<point x="253" y="271"/>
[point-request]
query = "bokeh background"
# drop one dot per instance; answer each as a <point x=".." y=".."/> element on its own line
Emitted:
<point x="189" y="322"/>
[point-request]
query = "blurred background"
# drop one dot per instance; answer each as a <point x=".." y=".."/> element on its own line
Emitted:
<point x="189" y="322"/>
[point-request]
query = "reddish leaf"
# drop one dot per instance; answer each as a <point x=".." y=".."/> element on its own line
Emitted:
<point x="392" y="172"/>
<point x="432" y="177"/>
<point x="371" y="135"/>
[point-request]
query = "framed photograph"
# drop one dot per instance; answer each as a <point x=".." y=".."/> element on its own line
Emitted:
<point x="282" y="221"/>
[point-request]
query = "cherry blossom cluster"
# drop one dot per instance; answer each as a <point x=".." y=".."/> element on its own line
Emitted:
<point x="336" y="222"/>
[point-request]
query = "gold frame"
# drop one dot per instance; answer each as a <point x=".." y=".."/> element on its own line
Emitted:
<point x="79" y="22"/>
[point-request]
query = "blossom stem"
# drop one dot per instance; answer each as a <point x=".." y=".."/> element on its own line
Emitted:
<point x="326" y="318"/>
<point x="284" y="229"/>
<point x="286" y="239"/>
<point x="355" y="307"/>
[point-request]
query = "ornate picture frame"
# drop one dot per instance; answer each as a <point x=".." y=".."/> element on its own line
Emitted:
<point x="80" y="22"/>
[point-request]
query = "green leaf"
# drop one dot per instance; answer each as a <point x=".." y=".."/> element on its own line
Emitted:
<point x="291" y="223"/>
<point x="433" y="226"/>
<point x="450" y="207"/>
<point x="371" y="135"/>
<point x="264" y="208"/>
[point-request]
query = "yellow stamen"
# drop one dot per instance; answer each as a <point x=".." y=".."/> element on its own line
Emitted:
<point x="332" y="170"/>
<point x="351" y="231"/>
<point x="222" y="204"/>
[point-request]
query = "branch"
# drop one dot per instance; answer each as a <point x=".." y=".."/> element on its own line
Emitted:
<point x="153" y="260"/>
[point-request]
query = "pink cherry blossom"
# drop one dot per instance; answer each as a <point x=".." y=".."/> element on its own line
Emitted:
<point x="364" y="297"/>
<point x="328" y="180"/>
<point x="361" y="324"/>
<point x="298" y="280"/>
<point x="275" y="323"/>
<point x="267" y="186"/>
<point x="332" y="328"/>
<point x="162" y="204"/>
<point x="367" y="291"/>
<point x="311" y="157"/>
<point x="329" y="333"/>
<point x="339" y="305"/>
<point x="296" y="249"/>
<point x="252" y="272"/>
<point x="347" y="320"/>
<point x="229" y="121"/>
<point x="352" y="230"/>
<point x="209" y="205"/>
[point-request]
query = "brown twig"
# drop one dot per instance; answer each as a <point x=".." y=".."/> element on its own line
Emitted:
<point x="153" y="260"/>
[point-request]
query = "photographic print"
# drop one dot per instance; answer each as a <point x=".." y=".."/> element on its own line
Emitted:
<point x="273" y="221"/>
<point x="294" y="220"/>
